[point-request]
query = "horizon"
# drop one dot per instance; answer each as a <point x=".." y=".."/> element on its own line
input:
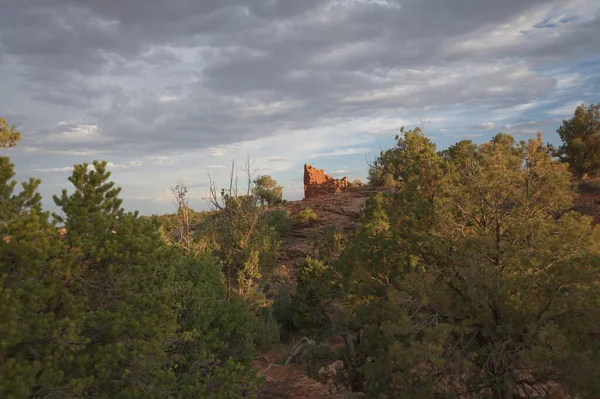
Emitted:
<point x="168" y="91"/>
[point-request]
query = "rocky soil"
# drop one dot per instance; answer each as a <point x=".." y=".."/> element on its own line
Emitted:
<point x="342" y="209"/>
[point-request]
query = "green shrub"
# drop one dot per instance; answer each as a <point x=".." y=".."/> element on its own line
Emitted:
<point x="328" y="243"/>
<point x="266" y="334"/>
<point x="280" y="220"/>
<point x="282" y="309"/>
<point x="307" y="216"/>
<point x="313" y="295"/>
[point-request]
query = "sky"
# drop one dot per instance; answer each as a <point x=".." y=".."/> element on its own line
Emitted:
<point x="178" y="89"/>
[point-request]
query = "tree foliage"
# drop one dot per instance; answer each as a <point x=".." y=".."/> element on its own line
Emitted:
<point x="109" y="310"/>
<point x="267" y="190"/>
<point x="9" y="136"/>
<point x="581" y="140"/>
<point x="40" y="331"/>
<point x="489" y="288"/>
<point x="413" y="161"/>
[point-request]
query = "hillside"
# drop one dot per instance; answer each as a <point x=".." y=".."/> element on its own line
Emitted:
<point x="341" y="209"/>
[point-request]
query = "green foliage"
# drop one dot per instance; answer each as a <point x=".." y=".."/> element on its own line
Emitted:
<point x="267" y="330"/>
<point x="117" y="275"/>
<point x="307" y="216"/>
<point x="267" y="191"/>
<point x="39" y="329"/>
<point x="414" y="161"/>
<point x="328" y="243"/>
<point x="109" y="311"/>
<point x="306" y="310"/>
<point x="280" y="220"/>
<point x="581" y="140"/>
<point x="388" y="180"/>
<point x="9" y="136"/>
<point x="245" y="241"/>
<point x="213" y="346"/>
<point x="312" y="297"/>
<point x="282" y="309"/>
<point x="488" y="287"/>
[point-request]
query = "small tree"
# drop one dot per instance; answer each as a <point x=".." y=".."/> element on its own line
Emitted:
<point x="267" y="191"/>
<point x="240" y="236"/>
<point x="581" y="140"/>
<point x="183" y="234"/>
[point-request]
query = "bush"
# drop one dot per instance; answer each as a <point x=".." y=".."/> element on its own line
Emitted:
<point x="282" y="309"/>
<point x="313" y="294"/>
<point x="328" y="243"/>
<point x="280" y="220"/>
<point x="307" y="216"/>
<point x="110" y="292"/>
<point x="266" y="334"/>
<point x="458" y="295"/>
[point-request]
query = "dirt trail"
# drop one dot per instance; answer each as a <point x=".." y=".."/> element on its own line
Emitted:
<point x="342" y="209"/>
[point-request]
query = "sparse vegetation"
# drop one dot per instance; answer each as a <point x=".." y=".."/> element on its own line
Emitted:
<point x="307" y="216"/>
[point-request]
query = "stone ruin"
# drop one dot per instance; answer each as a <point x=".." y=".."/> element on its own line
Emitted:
<point x="317" y="183"/>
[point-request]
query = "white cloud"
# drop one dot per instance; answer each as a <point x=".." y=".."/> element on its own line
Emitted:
<point x="125" y="165"/>
<point x="339" y="153"/>
<point x="78" y="134"/>
<point x="162" y="159"/>
<point x="54" y="170"/>
<point x="486" y="126"/>
<point x="565" y="110"/>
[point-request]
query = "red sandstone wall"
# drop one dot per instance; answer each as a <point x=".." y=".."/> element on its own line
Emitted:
<point x="317" y="183"/>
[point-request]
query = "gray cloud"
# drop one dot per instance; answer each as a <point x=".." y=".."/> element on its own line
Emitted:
<point x="150" y="77"/>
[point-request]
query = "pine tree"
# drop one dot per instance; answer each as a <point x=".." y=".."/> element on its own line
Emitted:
<point x="119" y="275"/>
<point x="39" y="328"/>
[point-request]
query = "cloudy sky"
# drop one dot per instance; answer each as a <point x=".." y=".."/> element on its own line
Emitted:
<point x="173" y="89"/>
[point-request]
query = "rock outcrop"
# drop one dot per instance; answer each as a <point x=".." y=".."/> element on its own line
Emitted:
<point x="317" y="183"/>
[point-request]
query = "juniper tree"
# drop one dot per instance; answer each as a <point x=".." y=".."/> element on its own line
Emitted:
<point x="267" y="190"/>
<point x="488" y="290"/>
<point x="581" y="139"/>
